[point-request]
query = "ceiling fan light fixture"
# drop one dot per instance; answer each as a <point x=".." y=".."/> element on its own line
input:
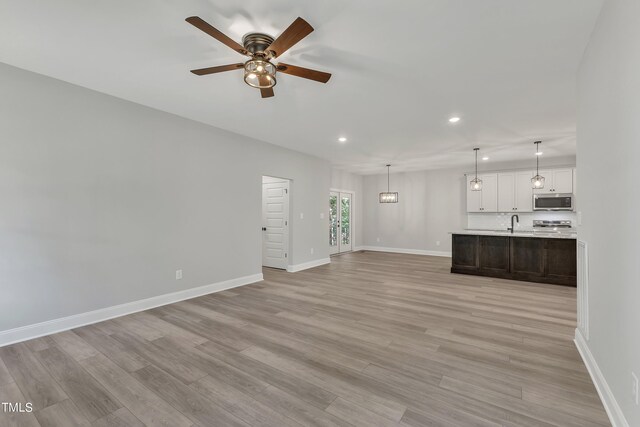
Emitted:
<point x="259" y="73"/>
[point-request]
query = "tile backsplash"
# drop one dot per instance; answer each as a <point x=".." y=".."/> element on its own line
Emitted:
<point x="501" y="221"/>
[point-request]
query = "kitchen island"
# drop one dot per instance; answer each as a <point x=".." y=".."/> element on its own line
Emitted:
<point x="543" y="257"/>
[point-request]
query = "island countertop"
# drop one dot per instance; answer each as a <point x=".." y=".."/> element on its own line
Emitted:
<point x="544" y="234"/>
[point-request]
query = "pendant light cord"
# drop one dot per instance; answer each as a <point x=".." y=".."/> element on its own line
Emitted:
<point x="388" y="172"/>
<point x="476" y="150"/>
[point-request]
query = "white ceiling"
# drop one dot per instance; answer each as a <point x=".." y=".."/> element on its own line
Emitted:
<point x="400" y="70"/>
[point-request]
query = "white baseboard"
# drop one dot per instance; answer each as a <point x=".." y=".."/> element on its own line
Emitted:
<point x="405" y="251"/>
<point x="616" y="416"/>
<point x="305" y="265"/>
<point x="49" y="327"/>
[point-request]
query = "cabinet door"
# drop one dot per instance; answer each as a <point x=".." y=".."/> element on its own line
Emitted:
<point x="465" y="252"/>
<point x="506" y="192"/>
<point x="562" y="261"/>
<point x="474" y="198"/>
<point x="523" y="192"/>
<point x="563" y="181"/>
<point x="527" y="257"/>
<point x="494" y="254"/>
<point x="489" y="192"/>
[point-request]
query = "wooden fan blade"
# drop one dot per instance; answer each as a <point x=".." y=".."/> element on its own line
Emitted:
<point x="216" y="34"/>
<point x="267" y="92"/>
<point x="305" y="73"/>
<point x="218" y="69"/>
<point x="298" y="30"/>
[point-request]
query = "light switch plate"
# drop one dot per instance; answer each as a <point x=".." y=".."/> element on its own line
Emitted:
<point x="178" y="274"/>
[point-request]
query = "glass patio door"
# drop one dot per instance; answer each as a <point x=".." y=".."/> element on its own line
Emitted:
<point x="340" y="222"/>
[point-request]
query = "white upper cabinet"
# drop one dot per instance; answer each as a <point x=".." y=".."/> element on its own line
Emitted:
<point x="474" y="198"/>
<point x="556" y="181"/>
<point x="515" y="192"/>
<point x="512" y="191"/>
<point x="506" y="191"/>
<point x="489" y="192"/>
<point x="485" y="200"/>
<point x="563" y="181"/>
<point x="524" y="191"/>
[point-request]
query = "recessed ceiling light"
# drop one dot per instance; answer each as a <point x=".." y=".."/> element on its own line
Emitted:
<point x="342" y="139"/>
<point x="454" y="119"/>
<point x="485" y="158"/>
<point x="539" y="153"/>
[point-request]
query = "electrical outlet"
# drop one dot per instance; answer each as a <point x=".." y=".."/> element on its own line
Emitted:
<point x="634" y="387"/>
<point x="377" y="239"/>
<point x="311" y="251"/>
<point x="178" y="274"/>
<point x="321" y="215"/>
<point x="437" y="242"/>
<point x="301" y="215"/>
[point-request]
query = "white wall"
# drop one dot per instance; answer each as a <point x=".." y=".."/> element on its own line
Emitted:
<point x="430" y="204"/>
<point x="103" y="199"/>
<point x="341" y="180"/>
<point x="608" y="175"/>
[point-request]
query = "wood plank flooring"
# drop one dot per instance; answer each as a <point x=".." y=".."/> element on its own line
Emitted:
<point x="372" y="339"/>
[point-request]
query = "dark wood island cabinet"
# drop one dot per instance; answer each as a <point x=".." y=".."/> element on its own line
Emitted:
<point x="533" y="259"/>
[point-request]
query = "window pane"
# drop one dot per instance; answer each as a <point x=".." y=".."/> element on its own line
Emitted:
<point x="345" y="223"/>
<point x="333" y="220"/>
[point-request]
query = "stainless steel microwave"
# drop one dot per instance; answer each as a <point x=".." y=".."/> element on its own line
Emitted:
<point x="553" y="202"/>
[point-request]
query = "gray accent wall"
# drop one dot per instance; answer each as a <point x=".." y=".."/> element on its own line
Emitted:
<point x="608" y="176"/>
<point x="430" y="204"/>
<point x="102" y="200"/>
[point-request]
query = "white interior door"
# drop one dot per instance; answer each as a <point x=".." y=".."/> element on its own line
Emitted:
<point x="340" y="222"/>
<point x="275" y="224"/>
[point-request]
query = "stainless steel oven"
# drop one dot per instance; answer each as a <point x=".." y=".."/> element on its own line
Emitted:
<point x="553" y="202"/>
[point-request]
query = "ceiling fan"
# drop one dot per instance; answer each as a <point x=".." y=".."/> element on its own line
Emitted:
<point x="259" y="71"/>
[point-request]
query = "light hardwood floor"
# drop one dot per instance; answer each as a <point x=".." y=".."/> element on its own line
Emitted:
<point x="372" y="339"/>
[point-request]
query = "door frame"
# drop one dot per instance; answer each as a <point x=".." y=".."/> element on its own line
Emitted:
<point x="289" y="224"/>
<point x="353" y="208"/>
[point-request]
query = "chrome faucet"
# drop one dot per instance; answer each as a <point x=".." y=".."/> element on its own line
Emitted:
<point x="517" y="218"/>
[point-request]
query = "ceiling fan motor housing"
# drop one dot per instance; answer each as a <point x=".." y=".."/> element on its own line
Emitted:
<point x="257" y="43"/>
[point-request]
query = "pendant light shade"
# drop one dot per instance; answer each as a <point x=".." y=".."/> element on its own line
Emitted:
<point x="476" y="184"/>
<point x="537" y="181"/>
<point x="388" y="196"/>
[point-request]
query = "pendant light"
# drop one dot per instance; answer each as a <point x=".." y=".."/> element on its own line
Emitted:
<point x="537" y="181"/>
<point x="476" y="184"/>
<point x="388" y="197"/>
